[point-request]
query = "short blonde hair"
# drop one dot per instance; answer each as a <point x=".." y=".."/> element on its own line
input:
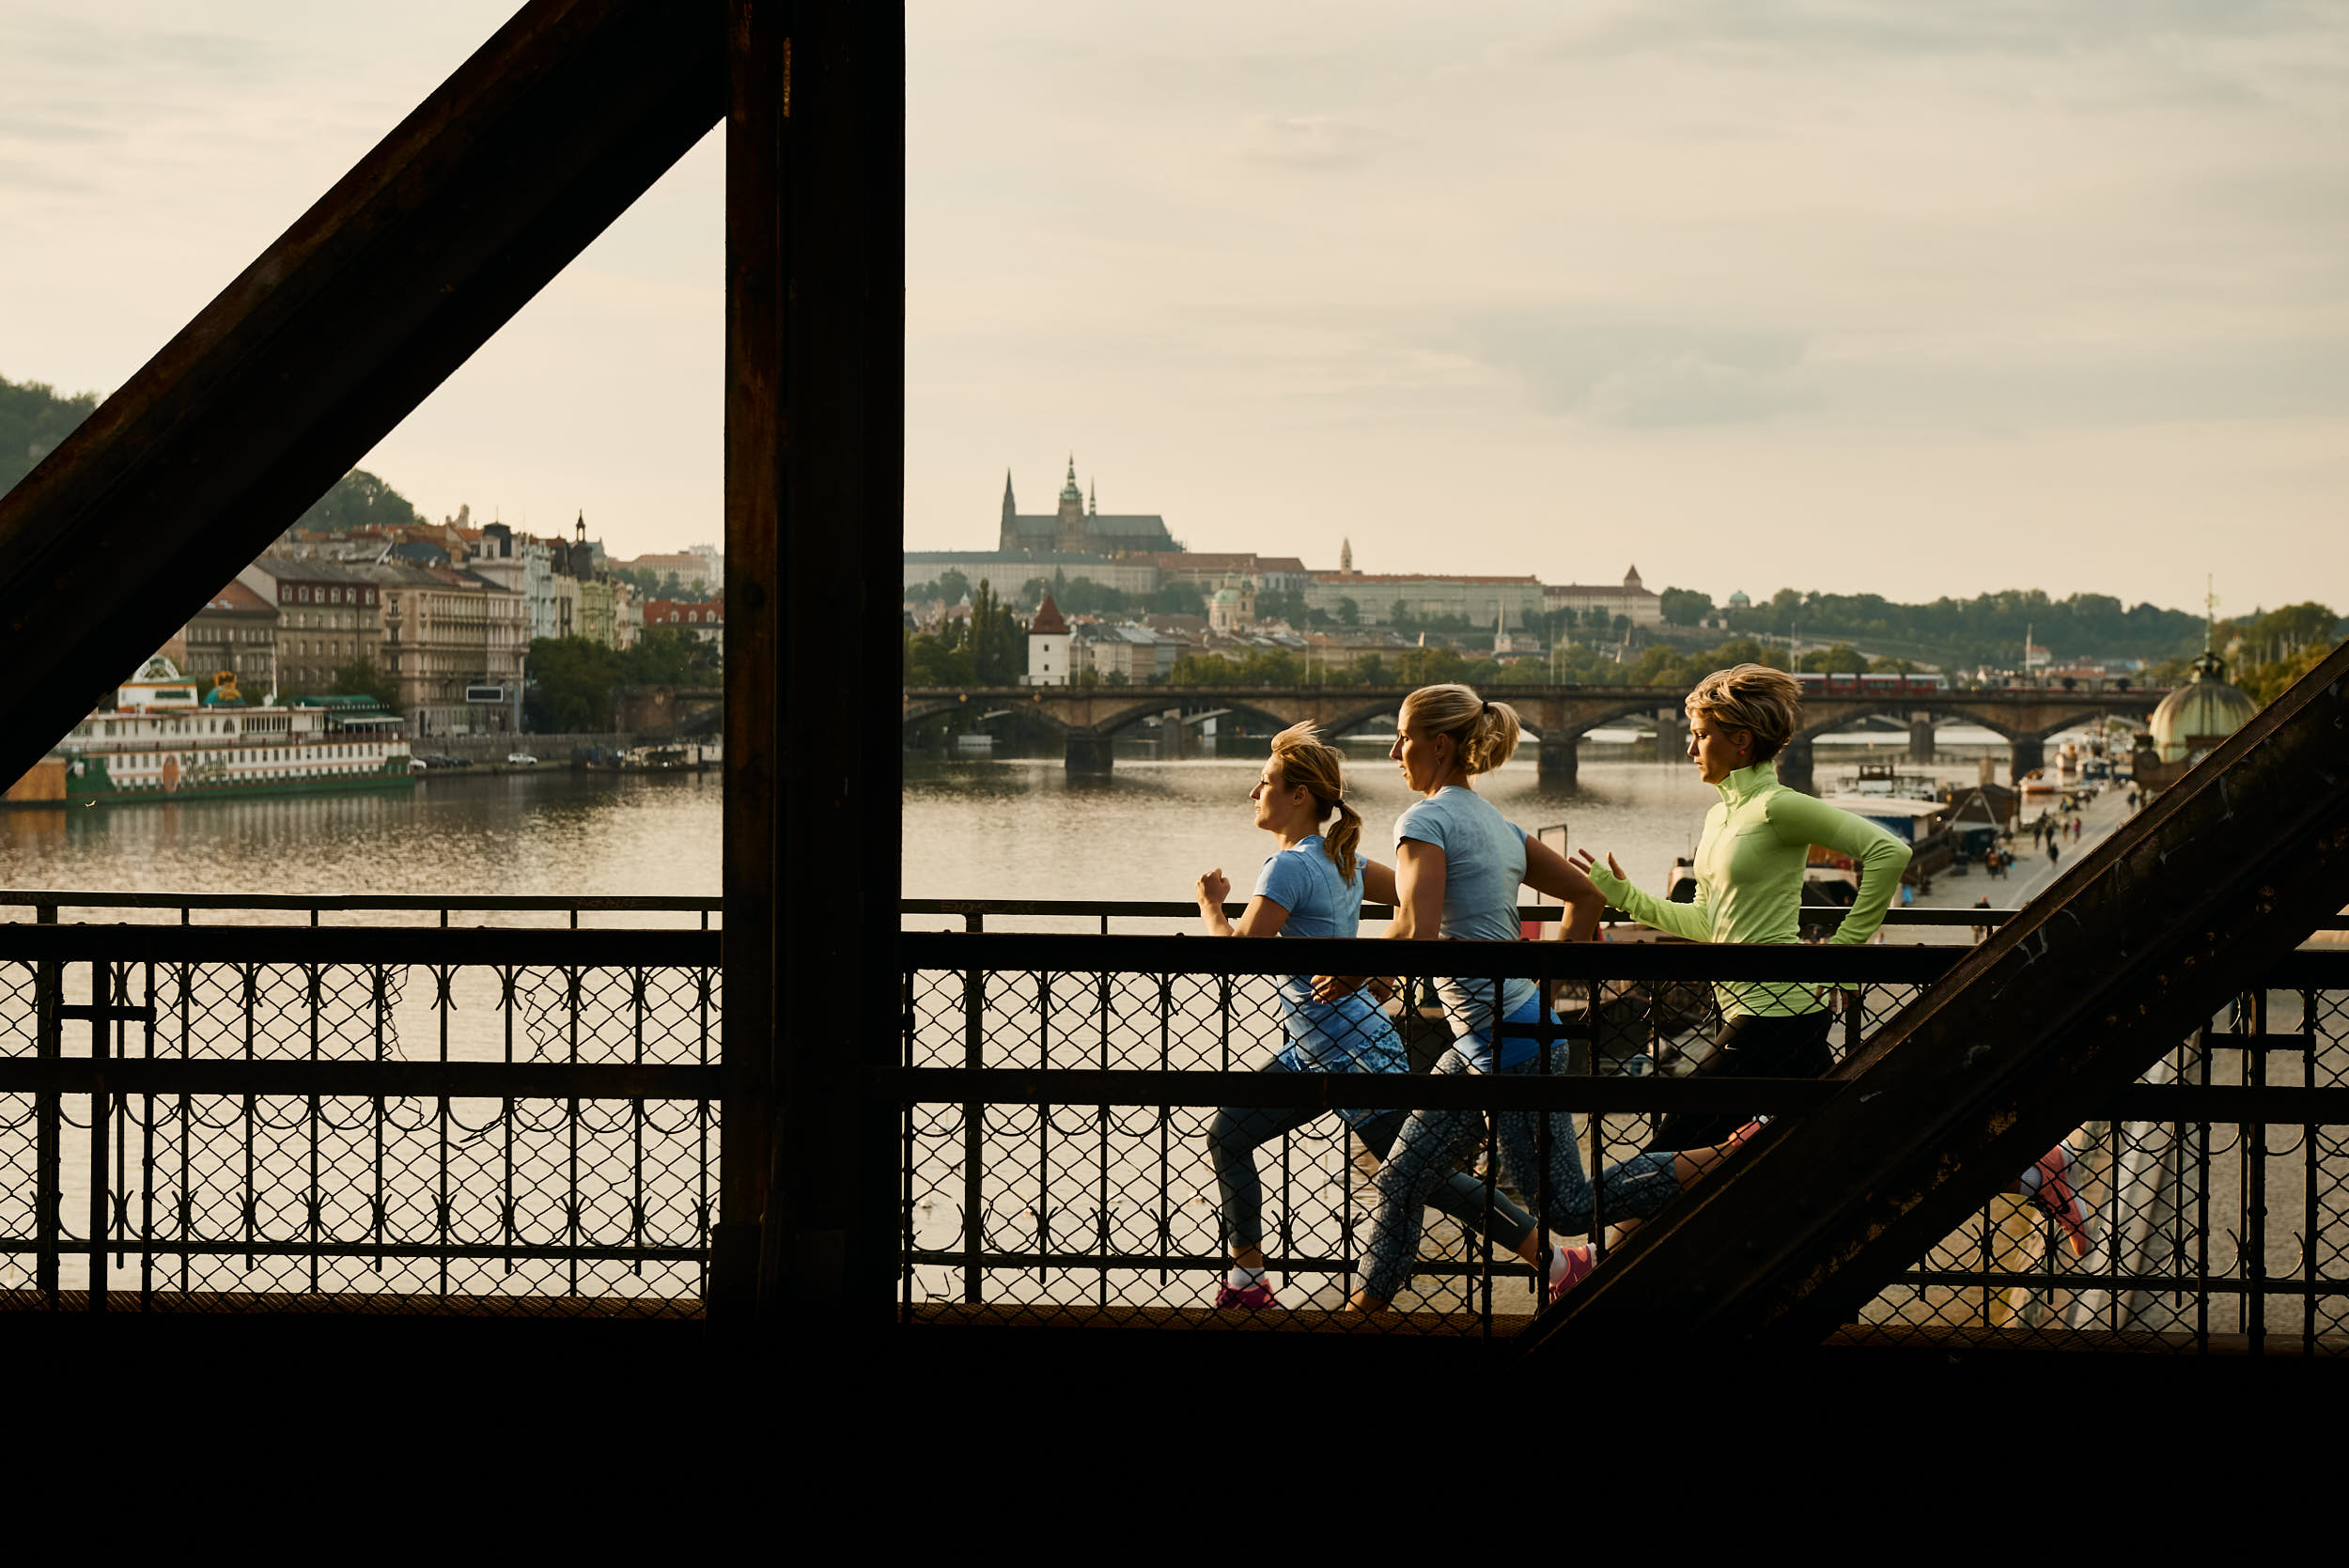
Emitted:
<point x="1764" y="702"/>
<point x="1485" y="733"/>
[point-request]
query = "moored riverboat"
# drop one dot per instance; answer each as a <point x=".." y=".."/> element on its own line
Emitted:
<point x="167" y="738"/>
<point x="1923" y="825"/>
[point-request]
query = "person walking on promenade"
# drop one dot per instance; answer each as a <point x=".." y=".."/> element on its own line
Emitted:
<point x="1750" y="866"/>
<point x="1311" y="886"/>
<point x="1458" y="864"/>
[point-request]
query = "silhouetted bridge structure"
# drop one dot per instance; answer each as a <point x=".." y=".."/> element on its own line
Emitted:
<point x="798" y="1134"/>
<point x="1094" y="717"/>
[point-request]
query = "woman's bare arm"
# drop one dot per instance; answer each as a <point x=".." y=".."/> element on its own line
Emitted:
<point x="1262" y="918"/>
<point x="1547" y="871"/>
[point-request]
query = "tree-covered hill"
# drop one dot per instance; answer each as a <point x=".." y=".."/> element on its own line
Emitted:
<point x="35" y="417"/>
<point x="33" y="420"/>
<point x="1987" y="629"/>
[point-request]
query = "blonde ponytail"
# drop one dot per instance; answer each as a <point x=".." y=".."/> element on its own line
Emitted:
<point x="1485" y="733"/>
<point x="1339" y="843"/>
<point x="1305" y="759"/>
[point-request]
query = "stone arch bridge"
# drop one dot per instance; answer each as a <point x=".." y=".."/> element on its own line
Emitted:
<point x="1092" y="716"/>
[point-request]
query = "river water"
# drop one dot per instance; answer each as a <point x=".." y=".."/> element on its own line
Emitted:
<point x="1015" y="828"/>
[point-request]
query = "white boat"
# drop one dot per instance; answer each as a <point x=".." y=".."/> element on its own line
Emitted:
<point x="168" y="738"/>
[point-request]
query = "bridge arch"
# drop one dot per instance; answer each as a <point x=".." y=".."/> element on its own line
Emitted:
<point x="1124" y="718"/>
<point x="1588" y="719"/>
<point x="984" y="706"/>
<point x="1902" y="709"/>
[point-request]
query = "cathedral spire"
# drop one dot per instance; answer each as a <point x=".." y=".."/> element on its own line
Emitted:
<point x="1093" y="497"/>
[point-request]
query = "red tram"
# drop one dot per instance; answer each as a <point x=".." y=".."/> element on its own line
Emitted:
<point x="1845" y="684"/>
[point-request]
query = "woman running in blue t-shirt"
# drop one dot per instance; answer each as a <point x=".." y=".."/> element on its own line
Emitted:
<point x="1458" y="864"/>
<point x="1312" y="887"/>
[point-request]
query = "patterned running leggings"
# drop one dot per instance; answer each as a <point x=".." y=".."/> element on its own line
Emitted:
<point x="1433" y="1141"/>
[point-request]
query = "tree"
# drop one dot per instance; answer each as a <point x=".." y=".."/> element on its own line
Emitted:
<point x="1349" y="613"/>
<point x="952" y="587"/>
<point x="1177" y="599"/>
<point x="1843" y="659"/>
<point x="33" y="419"/>
<point x="1283" y="604"/>
<point x="2264" y="683"/>
<point x="361" y="678"/>
<point x="930" y="661"/>
<point x="998" y="642"/>
<point x="1686" y="606"/>
<point x="358" y="500"/>
<point x="571" y="677"/>
<point x="571" y="685"/>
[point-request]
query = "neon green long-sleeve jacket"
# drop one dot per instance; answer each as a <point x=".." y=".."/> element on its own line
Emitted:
<point x="1749" y="865"/>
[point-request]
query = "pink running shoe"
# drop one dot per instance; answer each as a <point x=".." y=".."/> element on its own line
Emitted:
<point x="1580" y="1262"/>
<point x="2055" y="1195"/>
<point x="1254" y="1298"/>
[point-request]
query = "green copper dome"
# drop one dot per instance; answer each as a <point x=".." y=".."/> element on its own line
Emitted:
<point x="2200" y="713"/>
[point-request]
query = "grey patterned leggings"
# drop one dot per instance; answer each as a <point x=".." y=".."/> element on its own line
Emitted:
<point x="1433" y="1141"/>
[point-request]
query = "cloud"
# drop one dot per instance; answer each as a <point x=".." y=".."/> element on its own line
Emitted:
<point x="1644" y="374"/>
<point x="1309" y="142"/>
<point x="44" y="176"/>
<point x="1884" y="27"/>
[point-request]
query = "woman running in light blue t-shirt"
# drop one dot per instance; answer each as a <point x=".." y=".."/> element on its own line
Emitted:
<point x="1312" y="887"/>
<point x="1458" y="864"/>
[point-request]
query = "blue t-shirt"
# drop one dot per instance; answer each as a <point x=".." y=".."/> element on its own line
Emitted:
<point x="1348" y="1035"/>
<point x="1483" y="865"/>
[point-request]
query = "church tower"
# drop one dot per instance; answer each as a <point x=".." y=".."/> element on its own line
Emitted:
<point x="1009" y="539"/>
<point x="1070" y="534"/>
<point x="1345" y="556"/>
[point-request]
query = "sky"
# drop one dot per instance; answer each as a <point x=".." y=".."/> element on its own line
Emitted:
<point x="1832" y="294"/>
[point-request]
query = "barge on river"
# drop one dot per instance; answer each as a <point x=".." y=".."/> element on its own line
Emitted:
<point x="168" y="739"/>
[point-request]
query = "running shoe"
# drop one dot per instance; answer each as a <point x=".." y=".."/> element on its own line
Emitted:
<point x="1751" y="1129"/>
<point x="1580" y="1262"/>
<point x="2055" y="1195"/>
<point x="1253" y="1298"/>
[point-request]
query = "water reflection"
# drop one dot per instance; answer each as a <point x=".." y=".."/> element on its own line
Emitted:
<point x="552" y="833"/>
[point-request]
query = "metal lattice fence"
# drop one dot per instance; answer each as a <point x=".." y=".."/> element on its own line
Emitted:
<point x="1051" y="1208"/>
<point x="222" y="1118"/>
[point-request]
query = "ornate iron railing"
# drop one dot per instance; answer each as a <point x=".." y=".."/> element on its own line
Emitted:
<point x="1057" y="1091"/>
<point x="223" y="1117"/>
<point x="204" y="1117"/>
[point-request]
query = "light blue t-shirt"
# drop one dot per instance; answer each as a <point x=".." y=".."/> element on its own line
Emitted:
<point x="1483" y="865"/>
<point x="1349" y="1036"/>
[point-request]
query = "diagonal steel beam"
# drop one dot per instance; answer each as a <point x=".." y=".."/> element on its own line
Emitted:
<point x="348" y="322"/>
<point x="2043" y="1026"/>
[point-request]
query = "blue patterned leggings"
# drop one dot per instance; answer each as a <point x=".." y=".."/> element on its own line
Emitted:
<point x="1433" y="1141"/>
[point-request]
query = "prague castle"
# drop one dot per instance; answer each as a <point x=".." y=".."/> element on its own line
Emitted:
<point x="1078" y="528"/>
<point x="1120" y="551"/>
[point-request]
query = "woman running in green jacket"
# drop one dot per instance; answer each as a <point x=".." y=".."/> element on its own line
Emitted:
<point x="1748" y="872"/>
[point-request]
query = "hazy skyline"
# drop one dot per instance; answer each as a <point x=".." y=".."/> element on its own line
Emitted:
<point x="1853" y="297"/>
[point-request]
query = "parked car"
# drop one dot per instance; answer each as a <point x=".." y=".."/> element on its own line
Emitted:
<point x="417" y="765"/>
<point x="521" y="759"/>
